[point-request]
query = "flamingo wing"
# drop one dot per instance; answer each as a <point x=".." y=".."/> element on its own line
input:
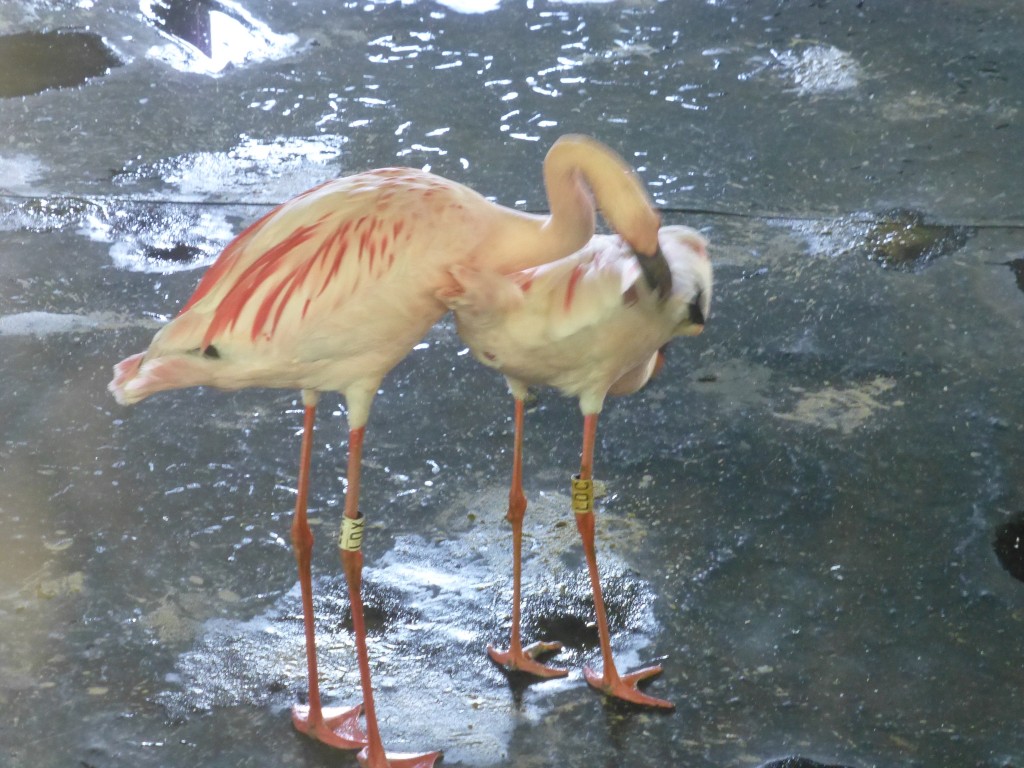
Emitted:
<point x="549" y="303"/>
<point x="585" y="289"/>
<point x="296" y="263"/>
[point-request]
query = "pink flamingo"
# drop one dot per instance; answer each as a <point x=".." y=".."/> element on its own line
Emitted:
<point x="588" y="325"/>
<point x="333" y="288"/>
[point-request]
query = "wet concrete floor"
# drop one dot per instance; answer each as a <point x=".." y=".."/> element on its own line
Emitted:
<point x="813" y="518"/>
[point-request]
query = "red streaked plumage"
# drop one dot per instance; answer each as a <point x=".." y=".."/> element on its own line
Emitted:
<point x="589" y="325"/>
<point x="570" y="287"/>
<point x="583" y="324"/>
<point x="331" y="289"/>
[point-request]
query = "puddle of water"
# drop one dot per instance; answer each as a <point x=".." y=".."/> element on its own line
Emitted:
<point x="903" y="241"/>
<point x="143" y="237"/>
<point x="33" y="62"/>
<point x="898" y="239"/>
<point x="19" y="173"/>
<point x="207" y="36"/>
<point x="41" y="324"/>
<point x="819" y="69"/>
<point x="809" y="69"/>
<point x="165" y="238"/>
<point x="47" y="214"/>
<point x="157" y="240"/>
<point x="252" y="171"/>
<point x="432" y="607"/>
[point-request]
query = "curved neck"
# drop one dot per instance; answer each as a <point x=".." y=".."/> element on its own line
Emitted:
<point x="575" y="168"/>
<point x="576" y="160"/>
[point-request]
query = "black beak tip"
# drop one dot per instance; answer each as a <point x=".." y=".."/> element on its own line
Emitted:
<point x="696" y="313"/>
<point x="657" y="273"/>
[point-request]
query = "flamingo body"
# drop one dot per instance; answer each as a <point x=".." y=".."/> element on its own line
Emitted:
<point x="590" y="326"/>
<point x="585" y="324"/>
<point x="325" y="293"/>
<point x="330" y="290"/>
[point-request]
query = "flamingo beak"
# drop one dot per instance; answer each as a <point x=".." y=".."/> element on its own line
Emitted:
<point x="696" y="312"/>
<point x="656" y="272"/>
<point x="694" y="324"/>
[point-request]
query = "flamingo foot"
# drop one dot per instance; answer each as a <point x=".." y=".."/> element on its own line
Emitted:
<point x="398" y="759"/>
<point x="525" y="659"/>
<point x="625" y="687"/>
<point x="337" y="727"/>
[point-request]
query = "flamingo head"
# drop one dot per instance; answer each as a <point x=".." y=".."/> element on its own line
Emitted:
<point x="686" y="258"/>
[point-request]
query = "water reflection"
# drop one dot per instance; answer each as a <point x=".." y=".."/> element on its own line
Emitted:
<point x="209" y="35"/>
<point x="813" y="70"/>
<point x="471" y="6"/>
<point x="41" y="324"/>
<point x="820" y="69"/>
<point x="459" y="6"/>
<point x="254" y="170"/>
<point x="163" y="243"/>
<point x="897" y="239"/>
<point x="480" y="6"/>
<point x="575" y="58"/>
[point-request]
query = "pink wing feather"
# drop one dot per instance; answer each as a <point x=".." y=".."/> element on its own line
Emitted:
<point x="275" y="308"/>
<point x="585" y="287"/>
<point x="315" y="249"/>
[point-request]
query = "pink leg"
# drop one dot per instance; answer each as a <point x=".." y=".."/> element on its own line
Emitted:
<point x="516" y="657"/>
<point x="338" y="727"/>
<point x="373" y="755"/>
<point x="610" y="682"/>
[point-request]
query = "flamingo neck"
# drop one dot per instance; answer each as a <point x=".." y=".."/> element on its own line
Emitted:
<point x="577" y="170"/>
<point x="572" y="220"/>
<point x="577" y="163"/>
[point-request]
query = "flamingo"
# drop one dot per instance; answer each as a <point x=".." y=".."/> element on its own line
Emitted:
<point x="330" y="290"/>
<point x="589" y="326"/>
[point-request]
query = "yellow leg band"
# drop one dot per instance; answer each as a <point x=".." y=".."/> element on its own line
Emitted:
<point x="582" y="495"/>
<point x="351" y="537"/>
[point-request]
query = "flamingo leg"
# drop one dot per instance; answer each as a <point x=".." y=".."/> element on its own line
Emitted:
<point x="372" y="755"/>
<point x="336" y="726"/>
<point x="517" y="658"/>
<point x="608" y="681"/>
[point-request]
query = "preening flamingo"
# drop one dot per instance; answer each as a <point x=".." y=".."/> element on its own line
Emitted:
<point x="333" y="288"/>
<point x="588" y="325"/>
